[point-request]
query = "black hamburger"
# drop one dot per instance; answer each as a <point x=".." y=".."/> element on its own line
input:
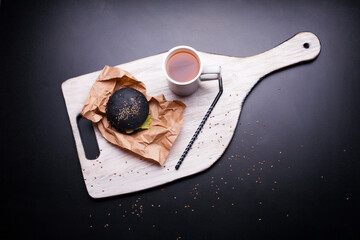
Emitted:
<point x="128" y="111"/>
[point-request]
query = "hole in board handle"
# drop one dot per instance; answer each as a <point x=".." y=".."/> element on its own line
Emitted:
<point x="88" y="138"/>
<point x="306" y="45"/>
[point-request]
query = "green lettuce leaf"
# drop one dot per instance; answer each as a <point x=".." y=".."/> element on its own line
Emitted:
<point x="145" y="125"/>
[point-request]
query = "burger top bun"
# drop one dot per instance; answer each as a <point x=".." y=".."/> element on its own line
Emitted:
<point x="127" y="109"/>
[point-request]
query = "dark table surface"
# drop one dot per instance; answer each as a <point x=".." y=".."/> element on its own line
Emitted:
<point x="291" y="170"/>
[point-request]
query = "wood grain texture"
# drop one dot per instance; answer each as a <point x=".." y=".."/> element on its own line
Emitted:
<point x="117" y="171"/>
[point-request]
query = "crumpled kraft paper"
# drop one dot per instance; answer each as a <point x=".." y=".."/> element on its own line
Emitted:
<point x="167" y="116"/>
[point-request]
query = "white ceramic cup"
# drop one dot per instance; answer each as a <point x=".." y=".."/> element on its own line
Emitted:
<point x="205" y="73"/>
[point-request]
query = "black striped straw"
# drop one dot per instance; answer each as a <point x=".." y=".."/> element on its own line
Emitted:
<point x="201" y="125"/>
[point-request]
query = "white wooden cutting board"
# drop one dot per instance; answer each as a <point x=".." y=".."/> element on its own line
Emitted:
<point x="117" y="171"/>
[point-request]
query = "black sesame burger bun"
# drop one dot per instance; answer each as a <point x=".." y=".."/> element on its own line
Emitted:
<point x="127" y="109"/>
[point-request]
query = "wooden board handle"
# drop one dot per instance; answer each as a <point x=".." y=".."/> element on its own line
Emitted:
<point x="304" y="46"/>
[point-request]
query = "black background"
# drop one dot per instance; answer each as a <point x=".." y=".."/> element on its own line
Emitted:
<point x="291" y="170"/>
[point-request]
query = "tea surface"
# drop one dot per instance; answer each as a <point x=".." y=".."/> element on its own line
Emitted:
<point x="182" y="66"/>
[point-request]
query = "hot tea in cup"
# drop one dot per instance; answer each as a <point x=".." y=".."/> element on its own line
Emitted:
<point x="182" y="66"/>
<point x="183" y="69"/>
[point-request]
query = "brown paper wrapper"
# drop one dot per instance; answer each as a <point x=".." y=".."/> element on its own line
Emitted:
<point x="167" y="116"/>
